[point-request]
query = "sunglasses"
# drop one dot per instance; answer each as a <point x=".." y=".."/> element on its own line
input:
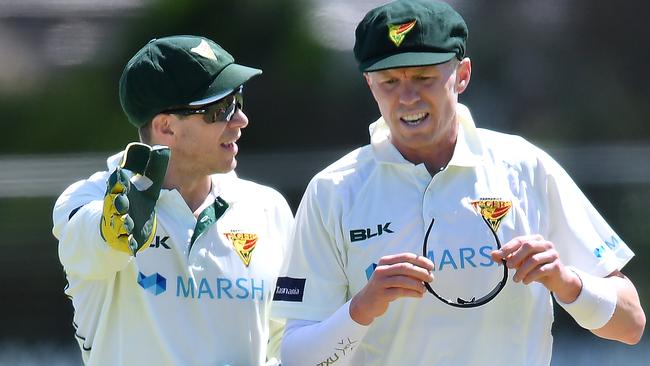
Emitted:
<point x="220" y="111"/>
<point x="473" y="302"/>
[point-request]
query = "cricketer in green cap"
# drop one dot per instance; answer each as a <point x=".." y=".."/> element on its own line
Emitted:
<point x="380" y="263"/>
<point x="409" y="33"/>
<point x="169" y="210"/>
<point x="178" y="71"/>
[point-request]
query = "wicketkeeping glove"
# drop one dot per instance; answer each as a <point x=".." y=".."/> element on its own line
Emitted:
<point x="129" y="220"/>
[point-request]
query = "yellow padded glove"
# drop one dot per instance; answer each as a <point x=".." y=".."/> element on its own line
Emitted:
<point x="129" y="218"/>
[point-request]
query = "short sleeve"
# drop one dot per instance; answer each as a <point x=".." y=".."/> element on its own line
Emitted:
<point x="581" y="235"/>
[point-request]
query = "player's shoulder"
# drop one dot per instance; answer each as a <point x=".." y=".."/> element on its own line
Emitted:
<point x="509" y="148"/>
<point x="516" y="152"/>
<point x="243" y="189"/>
<point x="496" y="140"/>
<point x="350" y="169"/>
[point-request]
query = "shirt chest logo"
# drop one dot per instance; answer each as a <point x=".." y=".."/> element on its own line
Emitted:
<point x="493" y="210"/>
<point x="367" y="233"/>
<point x="160" y="242"/>
<point x="243" y="244"/>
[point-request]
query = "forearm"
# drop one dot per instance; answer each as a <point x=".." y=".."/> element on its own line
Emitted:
<point x="335" y="339"/>
<point x="608" y="307"/>
<point x="82" y="250"/>
<point x="628" y="321"/>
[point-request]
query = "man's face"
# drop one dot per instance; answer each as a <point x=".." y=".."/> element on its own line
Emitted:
<point x="419" y="104"/>
<point x="205" y="148"/>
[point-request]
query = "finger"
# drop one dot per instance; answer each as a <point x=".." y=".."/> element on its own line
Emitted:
<point x="128" y="224"/>
<point x="497" y="256"/>
<point x="536" y="267"/>
<point x="121" y="204"/>
<point x="511" y="247"/>
<point x="404" y="282"/>
<point x="118" y="182"/>
<point x="397" y="258"/>
<point x="418" y="260"/>
<point x="526" y="250"/>
<point x="405" y="269"/>
<point x="133" y="245"/>
<point x="135" y="157"/>
<point x="157" y="167"/>
<point x="122" y="225"/>
<point x="396" y="293"/>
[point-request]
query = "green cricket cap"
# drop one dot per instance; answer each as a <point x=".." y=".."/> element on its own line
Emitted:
<point x="407" y="33"/>
<point x="178" y="71"/>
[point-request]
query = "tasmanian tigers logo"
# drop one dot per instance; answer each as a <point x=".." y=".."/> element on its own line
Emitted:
<point x="397" y="32"/>
<point x="244" y="244"/>
<point x="493" y="210"/>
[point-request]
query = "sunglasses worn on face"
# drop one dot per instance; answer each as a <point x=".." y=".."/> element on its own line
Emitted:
<point x="220" y="111"/>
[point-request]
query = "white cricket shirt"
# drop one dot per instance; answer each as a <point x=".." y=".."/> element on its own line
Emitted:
<point x="372" y="203"/>
<point x="199" y="295"/>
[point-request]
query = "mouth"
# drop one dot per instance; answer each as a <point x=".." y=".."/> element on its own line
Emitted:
<point x="414" y="119"/>
<point x="230" y="146"/>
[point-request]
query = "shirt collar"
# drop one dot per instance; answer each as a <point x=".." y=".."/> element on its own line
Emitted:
<point x="467" y="152"/>
<point x="225" y="186"/>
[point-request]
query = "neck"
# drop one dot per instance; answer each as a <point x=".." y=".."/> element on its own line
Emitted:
<point x="438" y="162"/>
<point x="193" y="189"/>
<point x="434" y="156"/>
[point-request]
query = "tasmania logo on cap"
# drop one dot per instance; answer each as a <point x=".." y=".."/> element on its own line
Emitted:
<point x="244" y="244"/>
<point x="203" y="49"/>
<point x="493" y="210"/>
<point x="397" y="32"/>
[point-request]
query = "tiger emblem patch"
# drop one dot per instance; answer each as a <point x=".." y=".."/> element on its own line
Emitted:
<point x="243" y="244"/>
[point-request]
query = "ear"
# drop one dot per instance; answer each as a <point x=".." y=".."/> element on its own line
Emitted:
<point x="365" y="75"/>
<point x="369" y="82"/>
<point x="162" y="132"/>
<point x="463" y="74"/>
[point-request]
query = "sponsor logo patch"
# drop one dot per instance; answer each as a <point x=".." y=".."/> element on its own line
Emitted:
<point x="220" y="288"/>
<point x="160" y="242"/>
<point x="367" y="233"/>
<point x="244" y="244"/>
<point x="155" y="283"/>
<point x="397" y="32"/>
<point x="289" y="289"/>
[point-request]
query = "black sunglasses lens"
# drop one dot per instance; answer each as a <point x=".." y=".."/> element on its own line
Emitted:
<point x="239" y="98"/>
<point x="225" y="109"/>
<point x="226" y="114"/>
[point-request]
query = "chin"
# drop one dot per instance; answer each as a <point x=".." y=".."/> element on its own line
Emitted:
<point x="226" y="168"/>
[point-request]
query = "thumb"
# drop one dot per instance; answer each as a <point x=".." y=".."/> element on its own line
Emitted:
<point x="497" y="255"/>
<point x="135" y="158"/>
<point x="156" y="168"/>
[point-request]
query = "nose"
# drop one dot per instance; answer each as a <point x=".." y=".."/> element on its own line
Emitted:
<point x="238" y="120"/>
<point x="408" y="94"/>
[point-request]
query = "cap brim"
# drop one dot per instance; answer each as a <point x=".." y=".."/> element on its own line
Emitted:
<point x="230" y="78"/>
<point x="406" y="59"/>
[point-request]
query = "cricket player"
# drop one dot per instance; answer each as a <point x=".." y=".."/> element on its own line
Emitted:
<point x="171" y="259"/>
<point x="441" y="243"/>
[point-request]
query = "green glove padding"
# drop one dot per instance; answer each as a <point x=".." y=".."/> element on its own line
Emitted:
<point x="129" y="220"/>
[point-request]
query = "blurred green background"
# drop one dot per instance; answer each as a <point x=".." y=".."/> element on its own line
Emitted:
<point x="571" y="76"/>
